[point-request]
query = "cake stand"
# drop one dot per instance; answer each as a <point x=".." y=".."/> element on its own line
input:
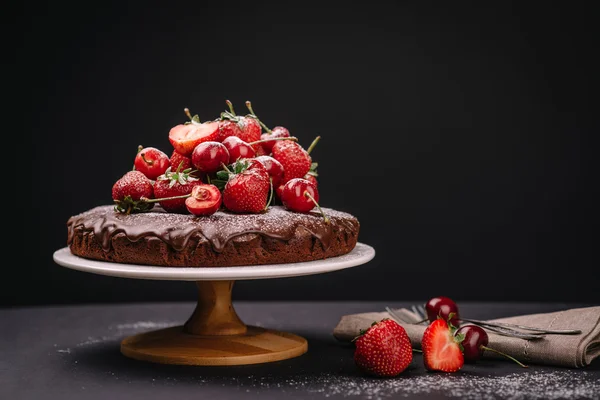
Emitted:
<point x="214" y="334"/>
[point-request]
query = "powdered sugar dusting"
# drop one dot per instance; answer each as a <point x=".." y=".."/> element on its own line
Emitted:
<point x="534" y="385"/>
<point x="120" y="330"/>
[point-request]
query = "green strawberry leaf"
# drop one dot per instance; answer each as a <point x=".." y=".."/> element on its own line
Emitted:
<point x="223" y="175"/>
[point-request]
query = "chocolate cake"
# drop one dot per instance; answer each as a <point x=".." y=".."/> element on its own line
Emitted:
<point x="221" y="239"/>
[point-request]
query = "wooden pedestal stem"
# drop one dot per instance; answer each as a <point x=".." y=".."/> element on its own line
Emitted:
<point x="214" y="314"/>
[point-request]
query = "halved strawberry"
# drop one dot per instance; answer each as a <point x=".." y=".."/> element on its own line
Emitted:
<point x="441" y="347"/>
<point x="185" y="137"/>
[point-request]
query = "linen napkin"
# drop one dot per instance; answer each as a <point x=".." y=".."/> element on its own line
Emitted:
<point x="574" y="351"/>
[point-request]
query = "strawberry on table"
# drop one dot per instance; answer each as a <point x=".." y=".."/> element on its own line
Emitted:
<point x="441" y="347"/>
<point x="383" y="350"/>
<point x="172" y="184"/>
<point x="247" y="188"/>
<point x="129" y="189"/>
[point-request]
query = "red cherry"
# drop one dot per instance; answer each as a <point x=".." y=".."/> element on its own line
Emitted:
<point x="277" y="132"/>
<point x="207" y="157"/>
<point x="442" y="307"/>
<point x="151" y="162"/>
<point x="294" y="198"/>
<point x="475" y="339"/>
<point x="237" y="149"/>
<point x="204" y="200"/>
<point x="475" y="343"/>
<point x="302" y="196"/>
<point x="273" y="167"/>
<point x="279" y="191"/>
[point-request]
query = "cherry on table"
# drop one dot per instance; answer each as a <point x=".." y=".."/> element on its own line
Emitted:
<point x="442" y="307"/>
<point x="475" y="343"/>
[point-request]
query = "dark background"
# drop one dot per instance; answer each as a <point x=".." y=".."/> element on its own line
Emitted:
<point x="460" y="136"/>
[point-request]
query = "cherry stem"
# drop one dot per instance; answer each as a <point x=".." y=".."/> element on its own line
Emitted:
<point x="292" y="138"/>
<point x="225" y="168"/>
<point x="503" y="354"/>
<point x="149" y="162"/>
<point x="270" y="195"/>
<point x="140" y="147"/>
<point x="187" y="112"/>
<point x="249" y="107"/>
<point x="147" y="200"/>
<point x="313" y="144"/>
<point x="325" y="217"/>
<point x="230" y="105"/>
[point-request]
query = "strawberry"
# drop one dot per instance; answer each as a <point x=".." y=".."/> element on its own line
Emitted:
<point x="311" y="178"/>
<point x="246" y="127"/>
<point x="383" y="350"/>
<point x="247" y="188"/>
<point x="178" y="158"/>
<point x="185" y="137"/>
<point x="295" y="160"/>
<point x="442" y="350"/>
<point x="251" y="129"/>
<point x="172" y="184"/>
<point x="129" y="189"/>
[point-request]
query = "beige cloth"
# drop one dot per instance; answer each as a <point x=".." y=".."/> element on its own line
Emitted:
<point x="573" y="351"/>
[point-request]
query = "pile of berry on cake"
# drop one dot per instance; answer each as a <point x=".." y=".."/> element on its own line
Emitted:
<point x="233" y="192"/>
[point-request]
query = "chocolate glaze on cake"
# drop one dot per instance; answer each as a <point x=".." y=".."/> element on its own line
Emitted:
<point x="222" y="239"/>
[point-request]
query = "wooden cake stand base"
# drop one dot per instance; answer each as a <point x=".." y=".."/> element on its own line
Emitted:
<point x="214" y="335"/>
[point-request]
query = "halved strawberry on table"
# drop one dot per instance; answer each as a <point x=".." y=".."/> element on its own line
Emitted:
<point x="442" y="350"/>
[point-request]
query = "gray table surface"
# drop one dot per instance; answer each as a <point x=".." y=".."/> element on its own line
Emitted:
<point x="73" y="353"/>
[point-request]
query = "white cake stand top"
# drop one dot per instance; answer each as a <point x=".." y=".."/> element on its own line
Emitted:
<point x="361" y="254"/>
